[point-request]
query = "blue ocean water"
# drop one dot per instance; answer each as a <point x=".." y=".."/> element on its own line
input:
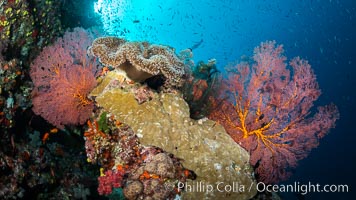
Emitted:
<point x="321" y="31"/>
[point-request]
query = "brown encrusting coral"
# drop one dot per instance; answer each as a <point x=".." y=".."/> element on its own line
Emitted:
<point x="140" y="60"/>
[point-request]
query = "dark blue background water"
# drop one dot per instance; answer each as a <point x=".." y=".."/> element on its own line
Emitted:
<point x="322" y="31"/>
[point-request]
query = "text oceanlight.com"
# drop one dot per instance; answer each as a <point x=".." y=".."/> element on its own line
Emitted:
<point x="236" y="187"/>
<point x="302" y="188"/>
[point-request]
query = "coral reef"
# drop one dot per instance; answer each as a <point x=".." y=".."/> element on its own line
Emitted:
<point x="140" y="60"/>
<point x="14" y="92"/>
<point x="31" y="170"/>
<point x="63" y="75"/>
<point x="130" y="117"/>
<point x="201" y="85"/>
<point x="109" y="180"/>
<point x="265" y="107"/>
<point x="140" y="171"/>
<point x="24" y="23"/>
<point x="16" y="24"/>
<point x="47" y="25"/>
<point x="164" y="122"/>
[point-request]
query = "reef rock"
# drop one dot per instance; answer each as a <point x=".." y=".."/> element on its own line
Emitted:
<point x="221" y="165"/>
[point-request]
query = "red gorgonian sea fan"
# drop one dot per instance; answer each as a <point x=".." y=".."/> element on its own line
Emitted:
<point x="265" y="107"/>
<point x="63" y="76"/>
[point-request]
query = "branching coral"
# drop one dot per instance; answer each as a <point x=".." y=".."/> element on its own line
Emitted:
<point x="63" y="75"/>
<point x="140" y="60"/>
<point x="265" y="108"/>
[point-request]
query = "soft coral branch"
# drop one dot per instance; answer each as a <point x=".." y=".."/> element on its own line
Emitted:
<point x="265" y="107"/>
<point x="63" y="76"/>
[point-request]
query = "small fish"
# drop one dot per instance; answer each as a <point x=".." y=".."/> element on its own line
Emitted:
<point x="45" y="138"/>
<point x="54" y="130"/>
<point x="186" y="173"/>
<point x="190" y="174"/>
<point x="104" y="71"/>
<point x="196" y="45"/>
<point x="41" y="152"/>
<point x="120" y="168"/>
<point x="145" y="175"/>
<point x="13" y="143"/>
<point x="136" y="21"/>
<point x="52" y="172"/>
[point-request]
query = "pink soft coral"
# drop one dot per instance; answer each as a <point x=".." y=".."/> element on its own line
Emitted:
<point x="265" y="107"/>
<point x="63" y="75"/>
<point x="66" y="101"/>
